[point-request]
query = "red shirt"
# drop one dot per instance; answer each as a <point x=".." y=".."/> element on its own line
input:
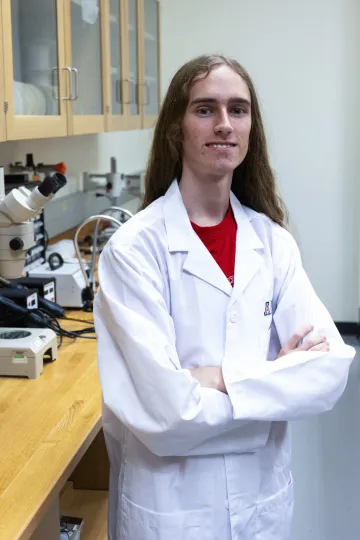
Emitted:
<point x="220" y="240"/>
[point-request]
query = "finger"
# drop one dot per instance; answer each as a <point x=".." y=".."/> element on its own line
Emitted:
<point x="325" y="347"/>
<point x="298" y="336"/>
<point x="311" y="342"/>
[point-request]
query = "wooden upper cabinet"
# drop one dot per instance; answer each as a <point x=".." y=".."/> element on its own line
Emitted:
<point x="134" y="77"/>
<point x="85" y="61"/>
<point x="150" y="62"/>
<point x="132" y="46"/>
<point x="78" y="66"/>
<point x="34" y="77"/>
<point x="115" y="65"/>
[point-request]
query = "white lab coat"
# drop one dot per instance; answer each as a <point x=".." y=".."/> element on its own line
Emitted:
<point x="192" y="463"/>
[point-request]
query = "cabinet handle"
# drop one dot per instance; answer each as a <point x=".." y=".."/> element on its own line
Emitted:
<point x="137" y="93"/>
<point x="68" y="69"/>
<point x="118" y="91"/>
<point x="130" y="87"/>
<point x="75" y="96"/>
<point x="147" y="94"/>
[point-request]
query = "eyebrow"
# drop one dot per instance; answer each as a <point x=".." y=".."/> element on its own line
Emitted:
<point x="234" y="99"/>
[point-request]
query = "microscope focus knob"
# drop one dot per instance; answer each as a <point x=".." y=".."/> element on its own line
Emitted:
<point x="16" y="244"/>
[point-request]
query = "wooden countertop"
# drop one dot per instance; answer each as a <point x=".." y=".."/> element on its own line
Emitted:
<point x="46" y="425"/>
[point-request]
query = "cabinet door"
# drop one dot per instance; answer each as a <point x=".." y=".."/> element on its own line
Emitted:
<point x="132" y="80"/>
<point x="150" y="81"/>
<point x="33" y="40"/>
<point x="85" y="55"/>
<point x="115" y="65"/>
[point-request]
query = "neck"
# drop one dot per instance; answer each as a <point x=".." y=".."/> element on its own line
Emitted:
<point x="206" y="199"/>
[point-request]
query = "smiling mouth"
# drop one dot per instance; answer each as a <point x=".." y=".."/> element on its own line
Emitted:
<point x="221" y="146"/>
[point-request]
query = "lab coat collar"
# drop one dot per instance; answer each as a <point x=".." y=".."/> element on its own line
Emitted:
<point x="178" y="227"/>
<point x="199" y="262"/>
<point x="247" y="259"/>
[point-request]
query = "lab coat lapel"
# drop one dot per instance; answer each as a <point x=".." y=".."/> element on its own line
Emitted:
<point x="247" y="259"/>
<point x="181" y="237"/>
<point x="201" y="263"/>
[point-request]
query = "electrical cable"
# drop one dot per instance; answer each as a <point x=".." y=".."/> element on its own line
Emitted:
<point x="52" y="323"/>
<point x="78" y="319"/>
<point x="53" y="307"/>
<point x="43" y="318"/>
<point x="46" y="235"/>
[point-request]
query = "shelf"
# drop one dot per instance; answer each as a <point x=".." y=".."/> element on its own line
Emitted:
<point x="91" y="506"/>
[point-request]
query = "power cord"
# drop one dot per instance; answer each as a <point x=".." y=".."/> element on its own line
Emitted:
<point x="42" y="318"/>
<point x="50" y="321"/>
<point x="78" y="319"/>
<point x="46" y="235"/>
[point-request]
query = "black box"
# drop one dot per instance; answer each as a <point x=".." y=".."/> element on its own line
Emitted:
<point x="27" y="298"/>
<point x="46" y="286"/>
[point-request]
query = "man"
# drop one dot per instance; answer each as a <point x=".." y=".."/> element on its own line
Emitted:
<point x="210" y="336"/>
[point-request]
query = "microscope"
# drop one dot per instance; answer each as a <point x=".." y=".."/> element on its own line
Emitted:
<point x="114" y="185"/>
<point x="22" y="350"/>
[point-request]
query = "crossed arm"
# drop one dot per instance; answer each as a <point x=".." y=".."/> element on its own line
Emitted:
<point x="212" y="377"/>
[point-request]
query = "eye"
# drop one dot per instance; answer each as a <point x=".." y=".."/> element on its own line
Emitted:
<point x="238" y="111"/>
<point x="203" y="111"/>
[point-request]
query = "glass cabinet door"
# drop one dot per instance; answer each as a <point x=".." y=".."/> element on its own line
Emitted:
<point x="115" y="56"/>
<point x="85" y="67"/>
<point x="34" y="90"/>
<point x="151" y="61"/>
<point x="134" y="119"/>
<point x="116" y="75"/>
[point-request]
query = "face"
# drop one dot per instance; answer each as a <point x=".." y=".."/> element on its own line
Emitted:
<point x="217" y="124"/>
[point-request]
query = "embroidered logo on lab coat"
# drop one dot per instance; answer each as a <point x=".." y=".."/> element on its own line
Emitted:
<point x="267" y="309"/>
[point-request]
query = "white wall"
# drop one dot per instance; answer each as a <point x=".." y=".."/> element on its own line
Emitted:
<point x="304" y="59"/>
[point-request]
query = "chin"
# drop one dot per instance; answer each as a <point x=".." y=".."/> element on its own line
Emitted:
<point x="221" y="169"/>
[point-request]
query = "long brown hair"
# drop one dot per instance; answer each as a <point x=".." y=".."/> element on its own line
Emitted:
<point x="253" y="180"/>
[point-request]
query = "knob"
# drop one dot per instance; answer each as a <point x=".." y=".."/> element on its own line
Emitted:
<point x="16" y="244"/>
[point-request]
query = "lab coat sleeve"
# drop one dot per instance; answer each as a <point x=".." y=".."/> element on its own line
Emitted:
<point x="142" y="381"/>
<point x="300" y="384"/>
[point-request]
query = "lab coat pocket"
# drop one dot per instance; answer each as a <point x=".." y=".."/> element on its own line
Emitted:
<point x="274" y="515"/>
<point x="138" y="523"/>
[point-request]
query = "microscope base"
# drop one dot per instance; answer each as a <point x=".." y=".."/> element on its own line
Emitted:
<point x="22" y="351"/>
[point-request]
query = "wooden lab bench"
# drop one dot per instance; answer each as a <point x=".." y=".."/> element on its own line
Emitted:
<point x="52" y="452"/>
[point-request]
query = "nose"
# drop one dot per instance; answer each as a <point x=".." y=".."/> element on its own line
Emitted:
<point x="223" y="125"/>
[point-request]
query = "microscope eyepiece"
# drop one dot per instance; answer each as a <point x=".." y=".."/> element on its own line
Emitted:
<point x="51" y="184"/>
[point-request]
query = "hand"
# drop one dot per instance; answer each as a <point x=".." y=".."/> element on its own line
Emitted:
<point x="209" y="377"/>
<point x="316" y="343"/>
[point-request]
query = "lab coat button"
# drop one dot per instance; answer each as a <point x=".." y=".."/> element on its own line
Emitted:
<point x="234" y="317"/>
